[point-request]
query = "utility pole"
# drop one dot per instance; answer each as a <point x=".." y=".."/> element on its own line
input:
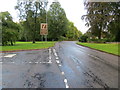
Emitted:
<point x="46" y="17"/>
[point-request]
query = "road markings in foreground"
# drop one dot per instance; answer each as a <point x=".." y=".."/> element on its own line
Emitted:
<point x="66" y="83"/>
<point x="10" y="55"/>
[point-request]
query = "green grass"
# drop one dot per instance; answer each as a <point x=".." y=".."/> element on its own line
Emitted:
<point x="110" y="48"/>
<point x="27" y="46"/>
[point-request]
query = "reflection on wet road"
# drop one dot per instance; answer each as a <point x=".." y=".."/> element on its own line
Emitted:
<point x="66" y="65"/>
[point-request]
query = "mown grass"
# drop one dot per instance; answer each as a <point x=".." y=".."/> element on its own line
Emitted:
<point x="110" y="48"/>
<point x="27" y="46"/>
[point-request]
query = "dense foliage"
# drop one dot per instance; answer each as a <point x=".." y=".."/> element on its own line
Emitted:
<point x="10" y="29"/>
<point x="103" y="20"/>
<point x="31" y="15"/>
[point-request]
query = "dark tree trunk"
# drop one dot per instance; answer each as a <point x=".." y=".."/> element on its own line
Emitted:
<point x="99" y="34"/>
<point x="11" y="42"/>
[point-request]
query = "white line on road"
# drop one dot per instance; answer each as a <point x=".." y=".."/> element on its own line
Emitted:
<point x="57" y="61"/>
<point x="36" y="62"/>
<point x="60" y="65"/>
<point x="49" y="50"/>
<point x="50" y="61"/>
<point x="66" y="83"/>
<point x="57" y="58"/>
<point x="55" y="52"/>
<point x="10" y="55"/>
<point x="50" y="57"/>
<point x="62" y="73"/>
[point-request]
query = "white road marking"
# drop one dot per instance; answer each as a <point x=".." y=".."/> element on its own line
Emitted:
<point x="50" y="57"/>
<point x="10" y="55"/>
<point x="50" y="61"/>
<point x="62" y="73"/>
<point x="49" y="50"/>
<point x="12" y="62"/>
<point x="36" y="62"/>
<point x="57" y="58"/>
<point x="1" y="62"/>
<point x="66" y="83"/>
<point x="57" y="61"/>
<point x="30" y="62"/>
<point x="55" y="52"/>
<point x="60" y="65"/>
<point x="43" y="62"/>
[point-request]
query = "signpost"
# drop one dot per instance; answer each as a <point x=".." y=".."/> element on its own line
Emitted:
<point x="44" y="30"/>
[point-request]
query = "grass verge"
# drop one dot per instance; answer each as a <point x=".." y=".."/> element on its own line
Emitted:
<point x="109" y="48"/>
<point x="27" y="46"/>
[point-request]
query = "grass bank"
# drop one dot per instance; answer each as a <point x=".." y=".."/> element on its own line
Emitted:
<point x="109" y="48"/>
<point x="27" y="46"/>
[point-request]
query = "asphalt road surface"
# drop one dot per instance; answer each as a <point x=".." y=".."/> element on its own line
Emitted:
<point x="67" y="65"/>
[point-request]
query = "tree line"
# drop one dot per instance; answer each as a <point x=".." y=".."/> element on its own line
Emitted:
<point x="32" y="13"/>
<point x="103" y="21"/>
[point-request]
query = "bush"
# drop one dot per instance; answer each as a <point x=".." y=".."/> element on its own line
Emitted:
<point x="104" y="40"/>
<point x="62" y="38"/>
<point x="83" y="38"/>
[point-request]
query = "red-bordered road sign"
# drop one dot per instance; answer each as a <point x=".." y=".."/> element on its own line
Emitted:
<point x="44" y="29"/>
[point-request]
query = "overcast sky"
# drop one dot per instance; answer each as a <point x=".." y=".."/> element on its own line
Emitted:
<point x="74" y="10"/>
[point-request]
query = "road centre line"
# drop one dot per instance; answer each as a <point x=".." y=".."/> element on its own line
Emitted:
<point x="62" y="73"/>
<point x="57" y="61"/>
<point x="66" y="83"/>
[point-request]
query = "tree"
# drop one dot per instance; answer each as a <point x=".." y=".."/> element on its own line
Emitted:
<point x="57" y="21"/>
<point x="72" y="33"/>
<point x="9" y="29"/>
<point x="30" y="13"/>
<point x="100" y="16"/>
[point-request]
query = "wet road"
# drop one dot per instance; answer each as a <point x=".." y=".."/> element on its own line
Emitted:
<point x="67" y="65"/>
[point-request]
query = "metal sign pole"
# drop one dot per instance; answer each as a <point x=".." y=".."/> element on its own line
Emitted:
<point x="46" y="17"/>
<point x="42" y="37"/>
<point x="44" y="26"/>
